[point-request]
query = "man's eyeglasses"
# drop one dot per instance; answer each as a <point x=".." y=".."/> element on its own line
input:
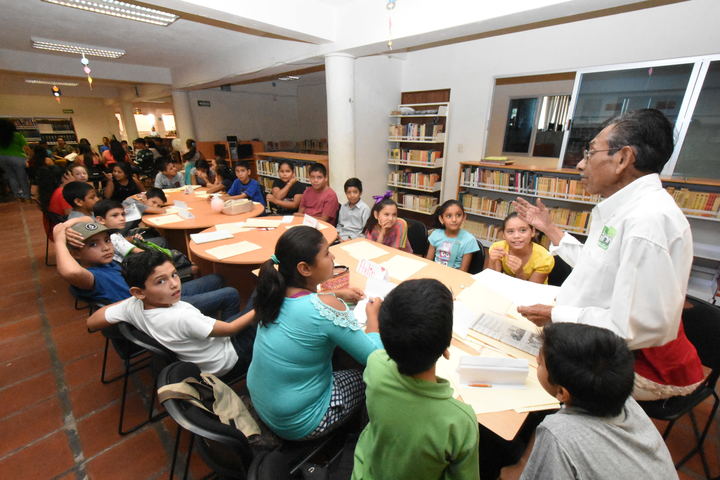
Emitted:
<point x="589" y="153"/>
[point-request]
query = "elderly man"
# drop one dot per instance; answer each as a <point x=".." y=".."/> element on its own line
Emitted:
<point x="631" y="274"/>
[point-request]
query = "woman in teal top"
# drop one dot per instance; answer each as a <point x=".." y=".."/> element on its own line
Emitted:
<point x="12" y="159"/>
<point x="291" y="382"/>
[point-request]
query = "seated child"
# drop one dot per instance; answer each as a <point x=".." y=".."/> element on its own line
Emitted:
<point x="224" y="173"/>
<point x="75" y="173"/>
<point x="156" y="308"/>
<point x="600" y="432"/>
<point x="144" y="158"/>
<point x="286" y="192"/>
<point x="122" y="182"/>
<point x="517" y="255"/>
<point x="417" y="430"/>
<point x="150" y="202"/>
<point x="449" y="244"/>
<point x="168" y="176"/>
<point x="82" y="197"/>
<point x="291" y="382"/>
<point x="244" y="186"/>
<point x="84" y="254"/>
<point x="204" y="175"/>
<point x="384" y="226"/>
<point x="319" y="200"/>
<point x="354" y="214"/>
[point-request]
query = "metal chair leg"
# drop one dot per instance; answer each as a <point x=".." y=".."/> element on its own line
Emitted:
<point x="47" y="252"/>
<point x="189" y="455"/>
<point x="176" y="447"/>
<point x="701" y="439"/>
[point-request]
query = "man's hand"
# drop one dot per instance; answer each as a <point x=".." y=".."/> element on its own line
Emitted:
<point x="350" y="294"/>
<point x="540" y="315"/>
<point x="536" y="215"/>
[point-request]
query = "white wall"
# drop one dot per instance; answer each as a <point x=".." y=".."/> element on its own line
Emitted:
<point x="93" y="119"/>
<point x="677" y="30"/>
<point x="377" y="91"/>
<point x="312" y="110"/>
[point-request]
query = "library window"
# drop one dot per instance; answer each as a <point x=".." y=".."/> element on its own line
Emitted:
<point x="536" y="125"/>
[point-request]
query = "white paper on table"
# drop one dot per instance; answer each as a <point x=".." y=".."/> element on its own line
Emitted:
<point x="185" y="213"/>
<point x="207" y="237"/>
<point x="262" y="223"/>
<point x="374" y="288"/>
<point x="519" y="292"/>
<point x="165" y="219"/>
<point x="175" y="209"/>
<point x="364" y="250"/>
<point x="463" y="318"/>
<point x="287" y="219"/>
<point x="402" y="268"/>
<point x="310" y="221"/>
<point x="371" y="270"/>
<point x="236" y="227"/>
<point x="478" y="298"/>
<point x="180" y="205"/>
<point x="202" y="194"/>
<point x="227" y="251"/>
<point x="321" y="226"/>
<point x="173" y="190"/>
<point x="495" y="399"/>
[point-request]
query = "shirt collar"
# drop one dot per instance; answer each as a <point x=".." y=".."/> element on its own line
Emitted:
<point x="628" y="193"/>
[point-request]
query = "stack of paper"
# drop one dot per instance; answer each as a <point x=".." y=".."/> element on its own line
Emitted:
<point x="401" y="268"/>
<point x="165" y="219"/>
<point x="227" y="251"/>
<point x="364" y="250"/>
<point x="207" y="237"/>
<point x="519" y="292"/>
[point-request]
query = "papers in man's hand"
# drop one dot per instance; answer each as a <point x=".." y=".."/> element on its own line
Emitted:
<point x="363" y="250"/>
<point x="165" y="219"/>
<point x="227" y="251"/>
<point x="519" y="292"/>
<point x="207" y="237"/>
<point x="401" y="267"/>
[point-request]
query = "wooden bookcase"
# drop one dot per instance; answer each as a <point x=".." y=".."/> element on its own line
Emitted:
<point x="268" y="163"/>
<point x="417" y="149"/>
<point x="48" y="129"/>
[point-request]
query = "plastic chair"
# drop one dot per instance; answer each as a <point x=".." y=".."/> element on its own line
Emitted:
<point x="158" y="357"/>
<point x="478" y="260"/>
<point x="50" y="219"/>
<point x="560" y="272"/>
<point x="702" y="327"/>
<point x="417" y="236"/>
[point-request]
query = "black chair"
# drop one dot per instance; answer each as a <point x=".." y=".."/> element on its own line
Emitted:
<point x="702" y="327"/>
<point x="559" y="273"/>
<point x="478" y="260"/>
<point x="417" y="236"/>
<point x="157" y="358"/>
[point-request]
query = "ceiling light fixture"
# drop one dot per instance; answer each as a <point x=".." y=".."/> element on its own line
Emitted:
<point x="120" y="9"/>
<point x="48" y="82"/>
<point x="288" y="77"/>
<point x="77" y="48"/>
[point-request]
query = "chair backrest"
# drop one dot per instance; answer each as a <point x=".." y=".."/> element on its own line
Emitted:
<point x="141" y="339"/>
<point x="702" y="327"/>
<point x="50" y="219"/>
<point x="224" y="448"/>
<point x="417" y="236"/>
<point x="559" y="273"/>
<point x="478" y="260"/>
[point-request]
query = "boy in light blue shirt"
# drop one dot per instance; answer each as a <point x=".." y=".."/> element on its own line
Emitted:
<point x="353" y="214"/>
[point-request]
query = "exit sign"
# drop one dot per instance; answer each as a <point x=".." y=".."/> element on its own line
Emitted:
<point x="68" y="110"/>
<point x="203" y="103"/>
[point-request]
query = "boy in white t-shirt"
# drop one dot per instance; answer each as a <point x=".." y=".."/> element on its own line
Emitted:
<point x="155" y="308"/>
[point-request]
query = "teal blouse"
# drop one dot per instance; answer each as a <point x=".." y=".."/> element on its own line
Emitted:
<point x="290" y="377"/>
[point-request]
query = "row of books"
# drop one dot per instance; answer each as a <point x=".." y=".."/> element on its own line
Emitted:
<point x="415" y="130"/>
<point x="270" y="167"/>
<point x="414" y="179"/>
<point x="526" y="182"/>
<point x="705" y="204"/>
<point x="424" y="203"/>
<point x="574" y="220"/>
<point x="427" y="157"/>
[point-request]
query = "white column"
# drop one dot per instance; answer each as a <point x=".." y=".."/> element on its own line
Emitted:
<point x="340" y="88"/>
<point x="128" y="119"/>
<point x="183" y="115"/>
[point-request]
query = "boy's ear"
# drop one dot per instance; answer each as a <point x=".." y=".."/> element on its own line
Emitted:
<point x="100" y="220"/>
<point x="137" y="292"/>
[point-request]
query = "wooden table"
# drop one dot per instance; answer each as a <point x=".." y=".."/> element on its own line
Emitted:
<point x="506" y="423"/>
<point x="237" y="270"/>
<point x="178" y="233"/>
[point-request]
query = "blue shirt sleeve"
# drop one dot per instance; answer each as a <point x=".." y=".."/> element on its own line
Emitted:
<point x="234" y="188"/>
<point x="254" y="192"/>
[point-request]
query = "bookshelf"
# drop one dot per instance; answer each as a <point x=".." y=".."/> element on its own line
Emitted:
<point x="417" y="139"/>
<point x="268" y="163"/>
<point x="48" y="129"/>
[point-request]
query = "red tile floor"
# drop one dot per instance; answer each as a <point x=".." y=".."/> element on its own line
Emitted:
<point x="57" y="420"/>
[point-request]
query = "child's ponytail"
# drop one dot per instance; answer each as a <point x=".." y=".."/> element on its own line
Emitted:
<point x="299" y="244"/>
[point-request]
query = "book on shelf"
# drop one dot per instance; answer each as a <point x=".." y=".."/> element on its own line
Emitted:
<point x="415" y="130"/>
<point x="427" y="157"/>
<point x="703" y="203"/>
<point x="271" y="167"/>
<point x="416" y="202"/>
<point x="498" y="160"/>
<point x="415" y="179"/>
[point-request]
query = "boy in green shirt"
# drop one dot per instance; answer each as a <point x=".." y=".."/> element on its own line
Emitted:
<point x="417" y="429"/>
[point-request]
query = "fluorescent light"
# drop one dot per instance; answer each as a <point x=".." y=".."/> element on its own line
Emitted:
<point x="48" y="82"/>
<point x="67" y="47"/>
<point x="289" y="77"/>
<point x="120" y="9"/>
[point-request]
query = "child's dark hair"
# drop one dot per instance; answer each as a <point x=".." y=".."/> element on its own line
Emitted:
<point x="353" y="182"/>
<point x="318" y="167"/>
<point x="202" y="165"/>
<point x="510" y="216"/>
<point x="75" y="191"/>
<point x="162" y="163"/>
<point x="244" y="164"/>
<point x="416" y="324"/>
<point x="140" y="141"/>
<point x="300" y="244"/>
<point x="101" y="208"/>
<point x="593" y="364"/>
<point x="372" y="221"/>
<point x="441" y="210"/>
<point x="286" y="162"/>
<point x="136" y="268"/>
<point x="154" y="192"/>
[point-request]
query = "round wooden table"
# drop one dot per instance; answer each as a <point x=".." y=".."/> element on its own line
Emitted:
<point x="178" y="233"/>
<point x="237" y="270"/>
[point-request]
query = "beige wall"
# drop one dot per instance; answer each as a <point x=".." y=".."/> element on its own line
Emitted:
<point x="93" y="119"/>
<point x="498" y="113"/>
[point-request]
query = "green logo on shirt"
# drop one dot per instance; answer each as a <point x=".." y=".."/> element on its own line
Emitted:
<point x="608" y="233"/>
